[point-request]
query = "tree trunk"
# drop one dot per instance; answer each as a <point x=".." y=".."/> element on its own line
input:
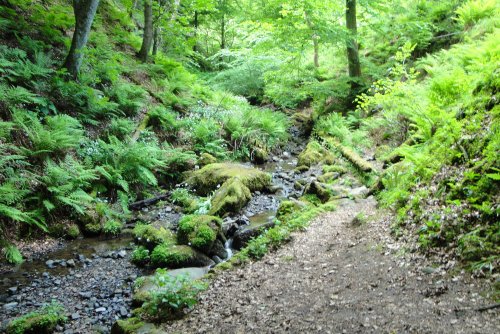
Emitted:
<point x="156" y="40"/>
<point x="352" y="45"/>
<point x="223" y="32"/>
<point x="316" y="51"/>
<point x="84" y="16"/>
<point x="148" y="31"/>
<point x="195" y="24"/>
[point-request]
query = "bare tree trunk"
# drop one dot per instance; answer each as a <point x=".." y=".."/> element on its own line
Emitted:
<point x="352" y="45"/>
<point x="195" y="24"/>
<point x="84" y="16"/>
<point x="156" y="40"/>
<point x="223" y="32"/>
<point x="148" y="31"/>
<point x="316" y="51"/>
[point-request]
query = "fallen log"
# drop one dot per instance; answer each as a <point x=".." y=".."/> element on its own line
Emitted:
<point x="146" y="202"/>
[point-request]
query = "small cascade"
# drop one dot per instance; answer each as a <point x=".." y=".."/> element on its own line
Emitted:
<point x="227" y="245"/>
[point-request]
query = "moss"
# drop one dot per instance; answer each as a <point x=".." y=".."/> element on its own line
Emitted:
<point x="314" y="154"/>
<point x="319" y="190"/>
<point x="301" y="169"/>
<point x="57" y="230"/>
<point x="166" y="255"/>
<point x="230" y="198"/>
<point x="209" y="177"/>
<point x="199" y="231"/>
<point x="206" y="159"/>
<point x="72" y="231"/>
<point x="112" y="227"/>
<point x="334" y="169"/>
<point x="93" y="228"/>
<point x="351" y="156"/>
<point x="260" y="155"/>
<point x="127" y="326"/>
<point x="328" y="177"/>
<point x="42" y="321"/>
<point x="288" y="207"/>
<point x="149" y="236"/>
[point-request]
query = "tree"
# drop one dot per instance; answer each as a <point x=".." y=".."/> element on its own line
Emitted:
<point x="84" y="16"/>
<point x="352" y="44"/>
<point x="147" y="39"/>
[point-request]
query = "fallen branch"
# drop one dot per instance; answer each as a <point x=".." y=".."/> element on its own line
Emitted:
<point x="350" y="155"/>
<point x="147" y="202"/>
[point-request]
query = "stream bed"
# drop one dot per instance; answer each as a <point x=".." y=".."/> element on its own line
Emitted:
<point x="93" y="277"/>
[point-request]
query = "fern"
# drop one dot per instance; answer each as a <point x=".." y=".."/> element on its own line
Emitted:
<point x="12" y="254"/>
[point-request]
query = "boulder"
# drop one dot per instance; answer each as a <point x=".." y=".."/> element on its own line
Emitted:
<point x="314" y="154"/>
<point x="243" y="236"/>
<point x="206" y="180"/>
<point x="199" y="231"/>
<point x="178" y="256"/>
<point x="206" y="159"/>
<point x="231" y="197"/>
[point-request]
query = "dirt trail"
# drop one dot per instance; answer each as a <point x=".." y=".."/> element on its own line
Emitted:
<point x="340" y="278"/>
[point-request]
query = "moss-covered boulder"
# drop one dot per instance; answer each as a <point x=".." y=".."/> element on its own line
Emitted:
<point x="314" y="154"/>
<point x="199" y="231"/>
<point x="206" y="159"/>
<point x="320" y="190"/>
<point x="206" y="179"/>
<point x="328" y="177"/>
<point x="178" y="256"/>
<point x="42" y="321"/>
<point x="288" y="207"/>
<point x="150" y="236"/>
<point x="134" y="326"/>
<point x="231" y="197"/>
<point x="260" y="155"/>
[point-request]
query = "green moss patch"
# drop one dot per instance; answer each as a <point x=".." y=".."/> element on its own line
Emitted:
<point x="178" y="256"/>
<point x="42" y="321"/>
<point x="230" y="198"/>
<point x="150" y="236"/>
<point x="209" y="177"/>
<point x="314" y="154"/>
<point x="199" y="232"/>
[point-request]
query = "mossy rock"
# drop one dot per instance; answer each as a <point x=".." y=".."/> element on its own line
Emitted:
<point x="43" y="321"/>
<point x="93" y="229"/>
<point x="315" y="154"/>
<point x="328" y="177"/>
<point x="334" y="169"/>
<point x="260" y="155"/>
<point x="72" y="231"/>
<point x="150" y="236"/>
<point x="178" y="256"/>
<point x="206" y="180"/>
<point x="199" y="231"/>
<point x="231" y="197"/>
<point x="206" y="159"/>
<point x="301" y="169"/>
<point x="288" y="207"/>
<point x="57" y="230"/>
<point x="319" y="190"/>
<point x="134" y="326"/>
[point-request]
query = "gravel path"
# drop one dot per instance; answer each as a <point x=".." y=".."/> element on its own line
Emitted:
<point x="341" y="278"/>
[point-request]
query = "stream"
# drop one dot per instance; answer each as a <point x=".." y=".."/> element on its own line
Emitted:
<point x="93" y="277"/>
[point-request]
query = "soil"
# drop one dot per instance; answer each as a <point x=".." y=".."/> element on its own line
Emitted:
<point x="343" y="275"/>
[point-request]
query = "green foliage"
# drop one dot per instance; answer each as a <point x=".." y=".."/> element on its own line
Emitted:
<point x="198" y="231"/>
<point x="112" y="227"/>
<point x="44" y="320"/>
<point x="140" y="256"/>
<point x="471" y="12"/>
<point x="168" y="255"/>
<point x="150" y="236"/>
<point x="172" y="294"/>
<point x="129" y="97"/>
<point x="12" y="254"/>
<point x="121" y="128"/>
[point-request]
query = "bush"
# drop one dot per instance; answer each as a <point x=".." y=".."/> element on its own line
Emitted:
<point x="44" y="320"/>
<point x="172" y="295"/>
<point x="12" y="254"/>
<point x="121" y="128"/>
<point x="140" y="256"/>
<point x="112" y="227"/>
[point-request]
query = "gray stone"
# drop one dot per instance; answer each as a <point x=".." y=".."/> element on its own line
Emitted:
<point x="10" y="306"/>
<point x="121" y="254"/>
<point x="100" y="309"/>
<point x="75" y="316"/>
<point x="50" y="264"/>
<point x="70" y="263"/>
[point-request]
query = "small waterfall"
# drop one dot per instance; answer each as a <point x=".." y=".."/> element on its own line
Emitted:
<point x="227" y="245"/>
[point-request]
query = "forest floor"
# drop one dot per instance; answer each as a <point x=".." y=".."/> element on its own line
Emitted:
<point x="343" y="277"/>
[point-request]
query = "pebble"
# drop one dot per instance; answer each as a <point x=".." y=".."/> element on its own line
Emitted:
<point x="10" y="306"/>
<point x="100" y="309"/>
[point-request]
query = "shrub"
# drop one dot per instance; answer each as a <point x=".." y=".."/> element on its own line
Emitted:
<point x="12" y="254"/>
<point x="120" y="128"/>
<point x="129" y="97"/>
<point x="172" y="295"/>
<point x="44" y="320"/>
<point x="473" y="11"/>
<point x="73" y="231"/>
<point x="112" y="227"/>
<point x="140" y="256"/>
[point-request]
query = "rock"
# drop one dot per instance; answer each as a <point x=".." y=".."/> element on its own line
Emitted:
<point x="244" y="235"/>
<point x="86" y="295"/>
<point x="121" y="254"/>
<point x="71" y="263"/>
<point x="100" y="309"/>
<point x="50" y="264"/>
<point x="314" y="154"/>
<point x="75" y="316"/>
<point x="12" y="290"/>
<point x="260" y="156"/>
<point x="359" y="192"/>
<point x="178" y="256"/>
<point x="10" y="306"/>
<point x="286" y="155"/>
<point x="318" y="189"/>
<point x="123" y="311"/>
<point x="231" y="197"/>
<point x="276" y="159"/>
<point x="206" y="180"/>
<point x="199" y="231"/>
<point x="206" y="159"/>
<point x="218" y="250"/>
